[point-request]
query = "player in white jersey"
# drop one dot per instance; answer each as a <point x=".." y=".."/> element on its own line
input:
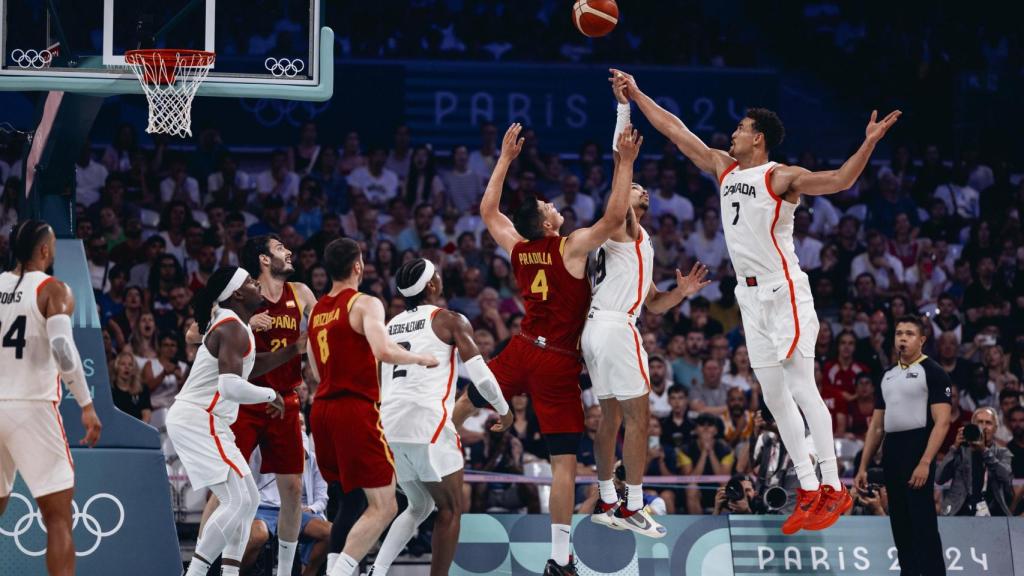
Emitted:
<point x="758" y="199"/>
<point x="416" y="404"/>
<point x="199" y="422"/>
<point x="37" y="350"/>
<point x="621" y="284"/>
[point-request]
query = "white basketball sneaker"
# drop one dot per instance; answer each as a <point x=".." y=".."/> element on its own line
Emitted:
<point x="604" y="514"/>
<point x="639" y="521"/>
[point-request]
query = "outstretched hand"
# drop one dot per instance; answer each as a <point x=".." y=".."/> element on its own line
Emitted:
<point x="876" y="130"/>
<point x="629" y="144"/>
<point x="623" y="83"/>
<point x="693" y="282"/>
<point x="512" y="144"/>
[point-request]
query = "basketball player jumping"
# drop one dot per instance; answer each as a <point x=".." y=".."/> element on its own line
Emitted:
<point x="199" y="422"/>
<point x="415" y="407"/>
<point x="544" y="360"/>
<point x="621" y="284"/>
<point x="346" y="330"/>
<point x="759" y="198"/>
<point x="38" y="351"/>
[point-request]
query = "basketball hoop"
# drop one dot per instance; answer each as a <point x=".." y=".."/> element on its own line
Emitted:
<point x="170" y="79"/>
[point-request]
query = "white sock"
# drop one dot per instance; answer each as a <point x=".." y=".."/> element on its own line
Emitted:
<point x="285" y="557"/>
<point x="560" y="543"/>
<point x="634" y="497"/>
<point x="332" y="557"/>
<point x="608" y="495"/>
<point x="197" y="567"/>
<point x="230" y="571"/>
<point x="345" y="566"/>
<point x="805" y="473"/>
<point x="829" y="472"/>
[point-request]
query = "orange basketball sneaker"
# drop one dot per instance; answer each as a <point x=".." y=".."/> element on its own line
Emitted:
<point x="831" y="505"/>
<point x="806" y="504"/>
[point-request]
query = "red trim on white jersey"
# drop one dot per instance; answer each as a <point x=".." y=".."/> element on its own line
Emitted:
<point x="639" y="358"/>
<point x="640" y="266"/>
<point x="447" y="392"/>
<point x="216" y="439"/>
<point x="39" y="288"/>
<point x="785" y="265"/>
<point x="63" y="435"/>
<point x="730" y="168"/>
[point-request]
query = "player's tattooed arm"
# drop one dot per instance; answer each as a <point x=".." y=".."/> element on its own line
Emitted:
<point x="707" y="159"/>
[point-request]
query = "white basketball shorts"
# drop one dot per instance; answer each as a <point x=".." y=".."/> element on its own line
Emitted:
<point x="428" y="462"/>
<point x="778" y="318"/>
<point x="33" y="444"/>
<point x="615" y="356"/>
<point x="204" y="444"/>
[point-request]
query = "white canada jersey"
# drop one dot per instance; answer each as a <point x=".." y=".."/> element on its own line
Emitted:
<point x="758" y="224"/>
<point x="620" y="274"/>
<point x="30" y="372"/>
<point x="201" y="387"/>
<point x="416" y="402"/>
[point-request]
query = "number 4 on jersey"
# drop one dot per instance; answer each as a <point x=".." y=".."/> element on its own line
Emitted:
<point x="540" y="285"/>
<point x="15" y="336"/>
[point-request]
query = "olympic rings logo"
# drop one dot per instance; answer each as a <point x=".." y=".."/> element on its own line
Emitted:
<point x="91" y="524"/>
<point x="31" y="58"/>
<point x="279" y="67"/>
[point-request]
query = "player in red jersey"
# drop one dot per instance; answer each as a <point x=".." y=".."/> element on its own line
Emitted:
<point x="347" y="333"/>
<point x="275" y="325"/>
<point x="544" y="359"/>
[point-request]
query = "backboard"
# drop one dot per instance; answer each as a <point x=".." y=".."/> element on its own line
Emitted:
<point x="264" y="48"/>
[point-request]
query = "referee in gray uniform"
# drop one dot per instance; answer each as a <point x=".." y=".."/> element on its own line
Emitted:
<point x="912" y="409"/>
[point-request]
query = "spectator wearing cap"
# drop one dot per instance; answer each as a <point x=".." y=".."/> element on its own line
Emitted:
<point x="659" y="395"/>
<point x="709" y="396"/>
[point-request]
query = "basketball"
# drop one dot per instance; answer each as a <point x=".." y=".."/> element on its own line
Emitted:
<point x="595" y="18"/>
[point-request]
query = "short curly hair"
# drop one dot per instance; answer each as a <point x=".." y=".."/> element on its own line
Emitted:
<point x="768" y="123"/>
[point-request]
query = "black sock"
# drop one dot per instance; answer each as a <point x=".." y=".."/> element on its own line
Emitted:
<point x="350" y="509"/>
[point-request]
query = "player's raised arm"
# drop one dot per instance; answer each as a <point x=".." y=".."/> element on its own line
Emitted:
<point x="461" y="333"/>
<point x="799" y="180"/>
<point x="660" y="302"/>
<point x="498" y="224"/>
<point x="582" y="241"/>
<point x="369" y="319"/>
<point x="707" y="159"/>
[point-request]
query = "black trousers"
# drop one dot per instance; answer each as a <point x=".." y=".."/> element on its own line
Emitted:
<point x="915" y="528"/>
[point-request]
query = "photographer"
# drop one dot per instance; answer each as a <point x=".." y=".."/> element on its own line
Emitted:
<point x="736" y="497"/>
<point x="773" y="468"/>
<point x="912" y="411"/>
<point x="872" y="500"/>
<point x="979" y="469"/>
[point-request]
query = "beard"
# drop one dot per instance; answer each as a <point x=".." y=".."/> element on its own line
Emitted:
<point x="281" y="269"/>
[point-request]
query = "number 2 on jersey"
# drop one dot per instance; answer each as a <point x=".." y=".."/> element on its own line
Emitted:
<point x="15" y="337"/>
<point x="398" y="371"/>
<point x="540" y="285"/>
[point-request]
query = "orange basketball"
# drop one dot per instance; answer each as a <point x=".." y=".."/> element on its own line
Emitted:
<point x="595" y="18"/>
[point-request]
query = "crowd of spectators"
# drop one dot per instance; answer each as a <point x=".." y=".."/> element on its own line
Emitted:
<point x="918" y="233"/>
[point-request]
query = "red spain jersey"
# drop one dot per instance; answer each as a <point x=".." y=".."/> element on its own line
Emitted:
<point x="343" y="357"/>
<point x="285" y="315"/>
<point x="556" y="302"/>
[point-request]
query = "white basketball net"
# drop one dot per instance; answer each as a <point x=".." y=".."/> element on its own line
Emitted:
<point x="170" y="103"/>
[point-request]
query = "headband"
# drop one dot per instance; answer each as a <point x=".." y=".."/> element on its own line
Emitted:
<point x="239" y="278"/>
<point x="419" y="285"/>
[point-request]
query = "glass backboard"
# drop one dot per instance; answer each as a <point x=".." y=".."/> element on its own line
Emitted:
<point x="264" y="48"/>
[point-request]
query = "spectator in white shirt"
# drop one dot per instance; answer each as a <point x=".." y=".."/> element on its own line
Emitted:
<point x="665" y="200"/>
<point x="959" y="197"/>
<point x="877" y="261"/>
<point x="278" y="180"/>
<point x="708" y="243"/>
<point x="824" y="216"/>
<point x="90" y="177"/>
<point x="180" y="186"/>
<point x="481" y="162"/>
<point x="230" y="185"/>
<point x="581" y="204"/>
<point x="808" y="249"/>
<point x="375" y="181"/>
<point x="463" y="187"/>
<point x="315" y="529"/>
<point x="99" y="263"/>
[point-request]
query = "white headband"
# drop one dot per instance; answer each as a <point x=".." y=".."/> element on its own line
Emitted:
<point x="235" y="283"/>
<point x="419" y="285"/>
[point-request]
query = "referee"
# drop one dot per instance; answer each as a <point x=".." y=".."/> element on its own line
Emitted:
<point x="912" y="408"/>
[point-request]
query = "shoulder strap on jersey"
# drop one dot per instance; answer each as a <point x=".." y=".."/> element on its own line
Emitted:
<point x="295" y="295"/>
<point x="352" y="301"/>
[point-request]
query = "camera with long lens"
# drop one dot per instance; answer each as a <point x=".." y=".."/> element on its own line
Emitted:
<point x="972" y="433"/>
<point x="734" y="491"/>
<point x="774" y="499"/>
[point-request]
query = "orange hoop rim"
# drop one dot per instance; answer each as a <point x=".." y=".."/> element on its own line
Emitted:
<point x="170" y="55"/>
